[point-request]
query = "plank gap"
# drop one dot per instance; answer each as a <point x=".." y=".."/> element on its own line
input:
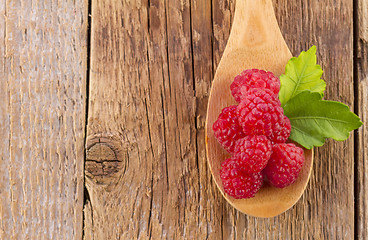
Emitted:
<point x="150" y="194"/>
<point x="192" y="51"/>
<point x="86" y="197"/>
<point x="195" y="97"/>
<point x="163" y="91"/>
<point x="212" y="40"/>
<point x="356" y="110"/>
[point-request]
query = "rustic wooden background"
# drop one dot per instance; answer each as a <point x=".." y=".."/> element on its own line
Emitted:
<point x="102" y="113"/>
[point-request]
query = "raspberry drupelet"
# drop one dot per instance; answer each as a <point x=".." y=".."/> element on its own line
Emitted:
<point x="260" y="113"/>
<point x="284" y="165"/>
<point x="253" y="153"/>
<point x="237" y="183"/>
<point x="227" y="129"/>
<point x="254" y="78"/>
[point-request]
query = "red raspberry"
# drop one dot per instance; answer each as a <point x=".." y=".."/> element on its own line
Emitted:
<point x="281" y="130"/>
<point x="227" y="129"/>
<point x="253" y="152"/>
<point x="237" y="183"/>
<point x="284" y="165"/>
<point x="260" y="113"/>
<point x="253" y="78"/>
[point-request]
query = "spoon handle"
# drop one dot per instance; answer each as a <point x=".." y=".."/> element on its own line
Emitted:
<point x="252" y="5"/>
<point x="254" y="25"/>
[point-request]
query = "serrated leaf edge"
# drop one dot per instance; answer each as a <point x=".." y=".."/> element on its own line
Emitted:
<point x="323" y="137"/>
<point x="312" y="50"/>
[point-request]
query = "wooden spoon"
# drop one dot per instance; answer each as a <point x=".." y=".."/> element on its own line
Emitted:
<point x="255" y="41"/>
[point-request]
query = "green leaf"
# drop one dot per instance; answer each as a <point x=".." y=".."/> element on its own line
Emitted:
<point x="313" y="119"/>
<point x="301" y="73"/>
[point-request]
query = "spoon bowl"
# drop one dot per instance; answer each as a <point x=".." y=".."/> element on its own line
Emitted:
<point x="255" y="41"/>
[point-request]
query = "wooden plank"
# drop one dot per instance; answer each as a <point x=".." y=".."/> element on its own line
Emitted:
<point x="210" y="200"/>
<point x="119" y="174"/>
<point x="155" y="126"/>
<point x="361" y="78"/>
<point x="221" y="26"/>
<point x="153" y="135"/>
<point x="305" y="24"/>
<point x="329" y="26"/>
<point x="42" y="118"/>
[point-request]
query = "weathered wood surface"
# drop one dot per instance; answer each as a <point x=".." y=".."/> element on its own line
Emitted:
<point x="327" y="208"/>
<point x="361" y="145"/>
<point x="151" y="67"/>
<point x="43" y="48"/>
<point x="148" y="102"/>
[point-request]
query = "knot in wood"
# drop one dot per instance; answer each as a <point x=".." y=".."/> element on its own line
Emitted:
<point x="102" y="161"/>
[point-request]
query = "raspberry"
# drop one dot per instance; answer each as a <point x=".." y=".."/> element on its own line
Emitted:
<point x="284" y="165"/>
<point x="281" y="130"/>
<point x="253" y="152"/>
<point x="260" y="113"/>
<point x="237" y="183"/>
<point x="227" y="129"/>
<point x="253" y="78"/>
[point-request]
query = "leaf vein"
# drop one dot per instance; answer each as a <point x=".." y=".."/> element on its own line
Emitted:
<point x="322" y="118"/>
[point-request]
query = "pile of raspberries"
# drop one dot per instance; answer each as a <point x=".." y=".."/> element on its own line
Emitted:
<point x="254" y="132"/>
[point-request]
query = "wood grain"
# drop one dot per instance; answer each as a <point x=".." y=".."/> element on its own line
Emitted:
<point x="152" y="64"/>
<point x="210" y="200"/>
<point x="329" y="26"/>
<point x="119" y="202"/>
<point x="147" y="99"/>
<point x="157" y="194"/>
<point x="305" y="219"/>
<point x="42" y="118"/>
<point x="361" y="146"/>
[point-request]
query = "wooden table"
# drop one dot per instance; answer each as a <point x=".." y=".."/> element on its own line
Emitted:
<point x="102" y="114"/>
